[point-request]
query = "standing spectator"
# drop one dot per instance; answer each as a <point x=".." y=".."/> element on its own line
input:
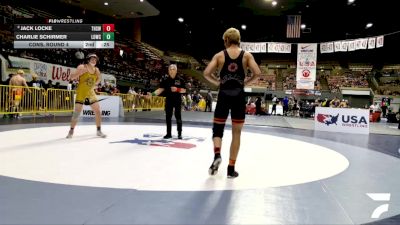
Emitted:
<point x="209" y="100"/>
<point x="285" y="105"/>
<point x="258" y="106"/>
<point x="34" y="82"/>
<point x="385" y="103"/>
<point x="274" y="102"/>
<point x="49" y="84"/>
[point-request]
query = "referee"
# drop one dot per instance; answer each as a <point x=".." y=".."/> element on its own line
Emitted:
<point x="173" y="87"/>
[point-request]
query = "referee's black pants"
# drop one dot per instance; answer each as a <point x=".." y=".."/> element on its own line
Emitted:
<point x="170" y="106"/>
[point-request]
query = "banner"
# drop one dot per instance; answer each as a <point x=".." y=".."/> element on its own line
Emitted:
<point x="327" y="47"/>
<point x="303" y="92"/>
<point x="358" y="44"/>
<point x="109" y="106"/>
<point x="309" y="85"/>
<point x="261" y="47"/>
<point x="47" y="71"/>
<point x="352" y="46"/>
<point x="323" y="48"/>
<point x="379" y="41"/>
<point x="338" y="46"/>
<point x="306" y="62"/>
<point x="371" y="43"/>
<point x="364" y="43"/>
<point x="254" y="47"/>
<point x="344" y="120"/>
<point x="274" y="47"/>
<point x="345" y="46"/>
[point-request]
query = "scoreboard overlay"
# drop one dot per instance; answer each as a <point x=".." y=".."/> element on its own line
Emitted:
<point x="63" y="35"/>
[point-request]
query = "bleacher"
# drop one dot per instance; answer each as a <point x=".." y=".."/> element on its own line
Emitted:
<point x="360" y="67"/>
<point x="289" y="79"/>
<point x="347" y="79"/>
<point x="267" y="79"/>
<point x="389" y="82"/>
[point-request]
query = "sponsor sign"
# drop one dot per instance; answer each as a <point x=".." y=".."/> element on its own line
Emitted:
<point x="45" y="71"/>
<point x="109" y="107"/>
<point x="344" y="120"/>
<point x="306" y="62"/>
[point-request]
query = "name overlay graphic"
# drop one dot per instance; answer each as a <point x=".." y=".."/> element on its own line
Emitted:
<point x="59" y="33"/>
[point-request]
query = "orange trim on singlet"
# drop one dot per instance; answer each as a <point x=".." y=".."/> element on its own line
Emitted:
<point x="219" y="121"/>
<point x="237" y="121"/>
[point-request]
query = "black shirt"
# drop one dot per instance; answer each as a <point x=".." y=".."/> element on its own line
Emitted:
<point x="232" y="73"/>
<point x="167" y="83"/>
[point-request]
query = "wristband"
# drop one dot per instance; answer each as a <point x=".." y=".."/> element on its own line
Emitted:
<point x="153" y="93"/>
<point x="178" y="90"/>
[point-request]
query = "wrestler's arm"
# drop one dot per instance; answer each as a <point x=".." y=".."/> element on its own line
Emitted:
<point x="210" y="69"/>
<point x="78" y="72"/>
<point x="98" y="80"/>
<point x="252" y="65"/>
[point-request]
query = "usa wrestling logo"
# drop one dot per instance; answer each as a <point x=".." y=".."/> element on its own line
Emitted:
<point x="157" y="140"/>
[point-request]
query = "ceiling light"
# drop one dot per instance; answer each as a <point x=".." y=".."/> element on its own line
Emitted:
<point x="303" y="26"/>
<point x="369" y="25"/>
<point x="351" y="1"/>
<point x="274" y="3"/>
<point x="244" y="27"/>
<point x="180" y="19"/>
<point x="141" y="0"/>
<point x="105" y="3"/>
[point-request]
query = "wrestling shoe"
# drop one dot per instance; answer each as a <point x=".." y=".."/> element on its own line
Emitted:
<point x="215" y="165"/>
<point x="231" y="172"/>
<point x="100" y="134"/>
<point x="70" y="133"/>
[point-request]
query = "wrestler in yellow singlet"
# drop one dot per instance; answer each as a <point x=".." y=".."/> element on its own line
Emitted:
<point x="85" y="94"/>
<point x="85" y="91"/>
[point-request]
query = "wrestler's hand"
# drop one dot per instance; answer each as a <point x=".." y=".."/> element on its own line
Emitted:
<point x="174" y="89"/>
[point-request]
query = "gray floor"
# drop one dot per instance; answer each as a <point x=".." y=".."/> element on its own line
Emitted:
<point x="342" y="199"/>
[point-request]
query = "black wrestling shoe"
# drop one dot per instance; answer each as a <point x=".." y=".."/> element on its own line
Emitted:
<point x="231" y="172"/>
<point x="168" y="136"/>
<point x="215" y="165"/>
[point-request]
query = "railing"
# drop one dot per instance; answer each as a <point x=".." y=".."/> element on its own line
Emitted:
<point x="21" y="99"/>
<point x="32" y="100"/>
<point x="139" y="102"/>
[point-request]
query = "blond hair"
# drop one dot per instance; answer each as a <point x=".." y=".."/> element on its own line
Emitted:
<point x="21" y="72"/>
<point x="231" y="36"/>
